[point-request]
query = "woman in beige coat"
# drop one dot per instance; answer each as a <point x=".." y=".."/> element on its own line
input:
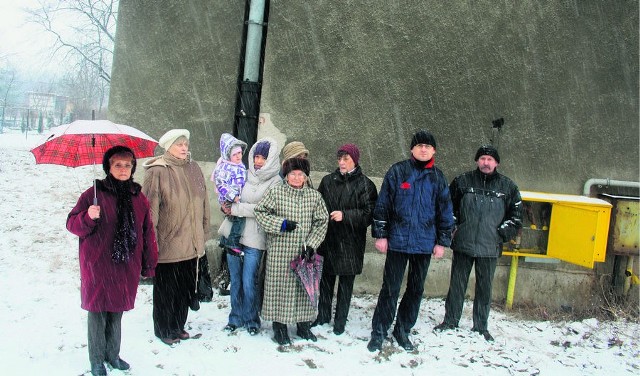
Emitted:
<point x="175" y="187"/>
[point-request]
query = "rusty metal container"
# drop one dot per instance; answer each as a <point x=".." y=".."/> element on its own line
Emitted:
<point x="624" y="227"/>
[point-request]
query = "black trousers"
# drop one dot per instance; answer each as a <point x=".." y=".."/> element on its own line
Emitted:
<point x="343" y="298"/>
<point x="394" y="267"/>
<point x="104" y="335"/>
<point x="460" y="270"/>
<point x="173" y="288"/>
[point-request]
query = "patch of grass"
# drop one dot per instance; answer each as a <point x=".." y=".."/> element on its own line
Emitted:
<point x="606" y="307"/>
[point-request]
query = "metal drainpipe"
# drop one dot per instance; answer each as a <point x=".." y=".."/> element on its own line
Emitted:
<point x="246" y="127"/>
<point x="254" y="41"/>
<point x="608" y="182"/>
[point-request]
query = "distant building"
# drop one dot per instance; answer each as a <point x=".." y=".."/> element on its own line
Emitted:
<point x="47" y="105"/>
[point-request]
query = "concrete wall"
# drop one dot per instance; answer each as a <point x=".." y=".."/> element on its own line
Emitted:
<point x="176" y="66"/>
<point x="563" y="74"/>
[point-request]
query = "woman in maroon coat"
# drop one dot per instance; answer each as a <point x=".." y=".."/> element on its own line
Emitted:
<point x="117" y="245"/>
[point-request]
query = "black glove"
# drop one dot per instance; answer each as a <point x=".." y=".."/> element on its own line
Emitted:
<point x="290" y="225"/>
<point x="308" y="253"/>
<point x="502" y="232"/>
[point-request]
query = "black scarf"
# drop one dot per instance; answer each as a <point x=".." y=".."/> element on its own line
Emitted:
<point x="125" y="240"/>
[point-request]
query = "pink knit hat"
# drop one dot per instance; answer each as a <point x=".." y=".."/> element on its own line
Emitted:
<point x="352" y="150"/>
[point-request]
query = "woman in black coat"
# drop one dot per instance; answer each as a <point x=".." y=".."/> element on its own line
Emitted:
<point x="350" y="197"/>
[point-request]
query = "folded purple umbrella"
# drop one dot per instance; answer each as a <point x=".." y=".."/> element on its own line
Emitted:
<point x="309" y="273"/>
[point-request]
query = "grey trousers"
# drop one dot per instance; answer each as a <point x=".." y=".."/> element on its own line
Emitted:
<point x="104" y="334"/>
<point x="460" y="269"/>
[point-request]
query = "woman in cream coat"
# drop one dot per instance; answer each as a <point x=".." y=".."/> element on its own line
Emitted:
<point x="262" y="174"/>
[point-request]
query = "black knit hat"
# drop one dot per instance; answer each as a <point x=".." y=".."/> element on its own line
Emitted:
<point x="423" y="137"/>
<point x="119" y="149"/>
<point x="488" y="150"/>
<point x="293" y="164"/>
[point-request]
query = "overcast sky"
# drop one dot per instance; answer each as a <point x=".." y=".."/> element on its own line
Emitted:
<point x="24" y="45"/>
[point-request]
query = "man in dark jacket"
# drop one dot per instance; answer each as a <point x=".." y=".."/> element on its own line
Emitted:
<point x="350" y="197"/>
<point x="488" y="211"/>
<point x="412" y="220"/>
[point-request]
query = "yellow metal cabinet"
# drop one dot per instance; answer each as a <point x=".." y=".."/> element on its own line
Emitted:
<point x="571" y="228"/>
<point x="578" y="228"/>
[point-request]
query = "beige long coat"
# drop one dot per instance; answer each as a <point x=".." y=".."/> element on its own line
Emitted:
<point x="180" y="208"/>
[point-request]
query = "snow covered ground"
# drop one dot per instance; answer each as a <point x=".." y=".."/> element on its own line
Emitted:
<point x="44" y="328"/>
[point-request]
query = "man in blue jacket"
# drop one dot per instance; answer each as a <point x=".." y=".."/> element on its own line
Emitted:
<point x="488" y="211"/>
<point x="412" y="220"/>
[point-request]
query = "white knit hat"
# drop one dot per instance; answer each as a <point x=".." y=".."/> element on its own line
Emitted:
<point x="170" y="137"/>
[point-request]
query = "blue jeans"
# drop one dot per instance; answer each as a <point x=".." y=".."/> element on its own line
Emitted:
<point x="244" y="290"/>
<point x="394" y="268"/>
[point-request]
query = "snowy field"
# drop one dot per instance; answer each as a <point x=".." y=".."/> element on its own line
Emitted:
<point x="45" y="328"/>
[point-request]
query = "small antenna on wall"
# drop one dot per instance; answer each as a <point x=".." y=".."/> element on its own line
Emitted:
<point x="495" y="130"/>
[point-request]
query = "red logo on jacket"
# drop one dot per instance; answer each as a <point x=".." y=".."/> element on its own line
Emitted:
<point x="405" y="185"/>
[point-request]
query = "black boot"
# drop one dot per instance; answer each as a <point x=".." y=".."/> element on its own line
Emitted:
<point x="338" y="328"/>
<point x="119" y="364"/>
<point x="485" y="333"/>
<point x="281" y="334"/>
<point x="304" y="331"/>
<point x="98" y="370"/>
<point x="375" y="344"/>
<point x="403" y="339"/>
<point x="443" y="327"/>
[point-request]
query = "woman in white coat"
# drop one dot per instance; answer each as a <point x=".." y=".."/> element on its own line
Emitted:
<point x="263" y="172"/>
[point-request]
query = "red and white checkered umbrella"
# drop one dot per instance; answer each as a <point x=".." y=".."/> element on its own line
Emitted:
<point x="84" y="142"/>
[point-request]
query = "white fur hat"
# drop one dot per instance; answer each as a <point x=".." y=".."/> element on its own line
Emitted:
<point x="170" y="137"/>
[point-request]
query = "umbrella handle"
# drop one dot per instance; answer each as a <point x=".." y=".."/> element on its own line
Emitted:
<point x="95" y="198"/>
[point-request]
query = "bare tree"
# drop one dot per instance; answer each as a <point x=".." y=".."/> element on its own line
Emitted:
<point x="86" y="91"/>
<point x="87" y="44"/>
<point x="6" y="87"/>
<point x="92" y="35"/>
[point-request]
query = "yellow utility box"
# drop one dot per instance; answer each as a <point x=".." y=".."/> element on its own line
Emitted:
<point x="571" y="228"/>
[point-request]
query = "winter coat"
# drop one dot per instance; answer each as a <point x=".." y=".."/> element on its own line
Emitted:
<point x="258" y="182"/>
<point x="179" y="206"/>
<point x="488" y="212"/>
<point x="285" y="300"/>
<point x="355" y="195"/>
<point x="414" y="209"/>
<point x="229" y="177"/>
<point x="104" y="285"/>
